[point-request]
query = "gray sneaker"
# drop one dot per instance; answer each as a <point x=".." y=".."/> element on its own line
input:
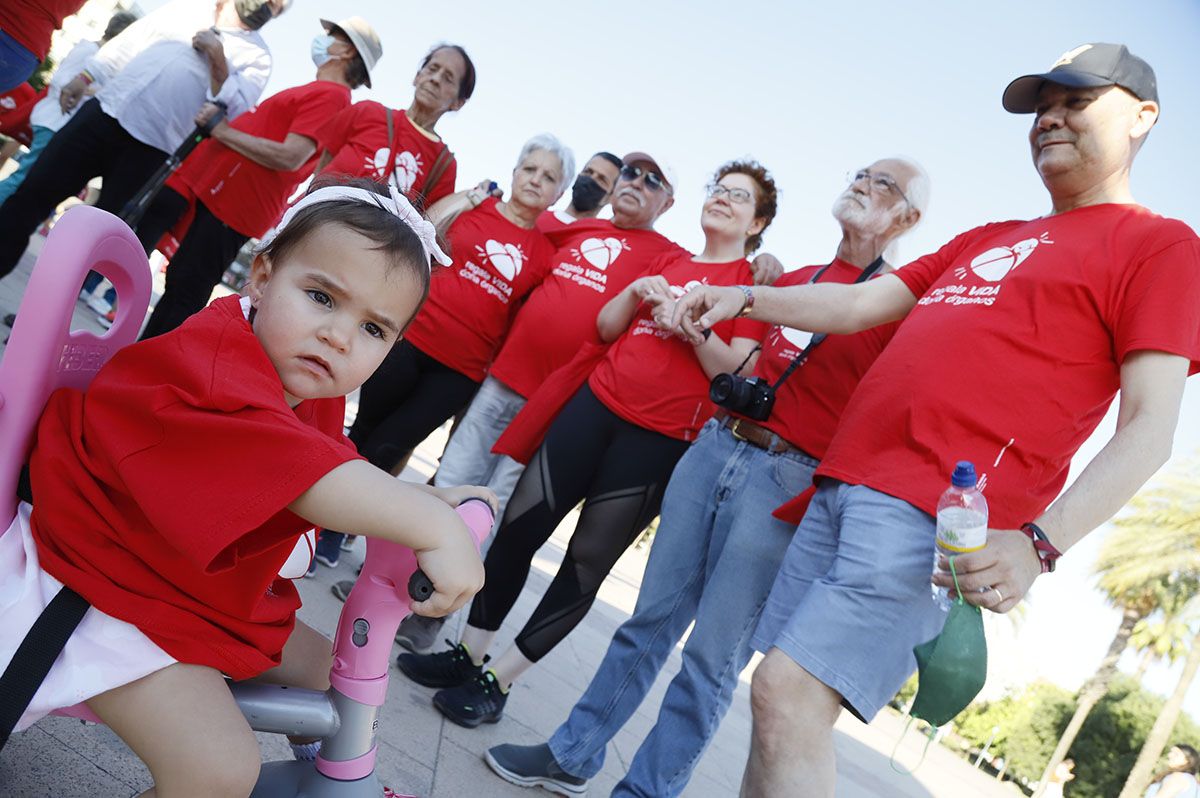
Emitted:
<point x="418" y="633"/>
<point x="533" y="766"/>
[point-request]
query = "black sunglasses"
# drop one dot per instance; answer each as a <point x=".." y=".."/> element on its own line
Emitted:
<point x="653" y="180"/>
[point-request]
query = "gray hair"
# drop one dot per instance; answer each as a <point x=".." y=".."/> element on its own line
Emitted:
<point x="917" y="192"/>
<point x="550" y="144"/>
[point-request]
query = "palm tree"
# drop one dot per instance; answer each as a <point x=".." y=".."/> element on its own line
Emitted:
<point x="1163" y="636"/>
<point x="1150" y="561"/>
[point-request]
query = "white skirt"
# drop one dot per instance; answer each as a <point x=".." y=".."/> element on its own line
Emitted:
<point x="102" y="654"/>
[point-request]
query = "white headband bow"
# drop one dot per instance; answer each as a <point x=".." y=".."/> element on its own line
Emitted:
<point x="397" y="204"/>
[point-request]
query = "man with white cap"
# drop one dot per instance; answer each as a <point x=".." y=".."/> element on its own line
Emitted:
<point x="238" y="183"/>
<point x="1016" y="338"/>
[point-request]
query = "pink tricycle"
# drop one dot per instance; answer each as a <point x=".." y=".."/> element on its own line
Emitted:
<point x="45" y="354"/>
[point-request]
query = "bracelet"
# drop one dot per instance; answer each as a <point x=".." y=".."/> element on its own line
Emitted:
<point x="87" y="77"/>
<point x="1046" y="552"/>
<point x="748" y="305"/>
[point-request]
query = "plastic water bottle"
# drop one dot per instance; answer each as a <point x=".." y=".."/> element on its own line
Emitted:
<point x="962" y="520"/>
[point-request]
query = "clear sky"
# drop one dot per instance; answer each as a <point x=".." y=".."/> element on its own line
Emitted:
<point x="812" y="91"/>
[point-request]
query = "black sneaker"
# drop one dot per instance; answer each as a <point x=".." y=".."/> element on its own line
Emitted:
<point x="443" y="669"/>
<point x="533" y="766"/>
<point x="417" y="633"/>
<point x="479" y="700"/>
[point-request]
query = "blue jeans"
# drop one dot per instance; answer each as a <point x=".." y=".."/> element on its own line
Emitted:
<point x="41" y="137"/>
<point x="714" y="559"/>
<point x="16" y="62"/>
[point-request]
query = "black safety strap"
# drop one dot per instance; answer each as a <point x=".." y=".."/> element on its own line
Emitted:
<point x="36" y="655"/>
<point x="817" y="338"/>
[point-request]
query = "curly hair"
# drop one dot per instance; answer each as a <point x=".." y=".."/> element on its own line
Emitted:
<point x="766" y="195"/>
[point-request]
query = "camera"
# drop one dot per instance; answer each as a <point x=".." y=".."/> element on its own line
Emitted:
<point x="751" y="397"/>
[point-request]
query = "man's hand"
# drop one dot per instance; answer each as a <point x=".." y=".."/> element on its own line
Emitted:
<point x="72" y="93"/>
<point x="208" y="43"/>
<point x="207" y="112"/>
<point x="997" y="576"/>
<point x="766" y="269"/>
<point x="704" y="306"/>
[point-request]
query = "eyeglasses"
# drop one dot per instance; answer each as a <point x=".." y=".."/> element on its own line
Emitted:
<point x="880" y="183"/>
<point x="737" y="195"/>
<point x="653" y="180"/>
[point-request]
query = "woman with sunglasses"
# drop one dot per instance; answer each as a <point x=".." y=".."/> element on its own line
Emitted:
<point x="613" y="446"/>
<point x="400" y="147"/>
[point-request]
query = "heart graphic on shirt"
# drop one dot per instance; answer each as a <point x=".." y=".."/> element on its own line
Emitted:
<point x="679" y="290"/>
<point x="997" y="262"/>
<point x="408" y="166"/>
<point x="601" y="253"/>
<point x="505" y="258"/>
<point x="797" y="338"/>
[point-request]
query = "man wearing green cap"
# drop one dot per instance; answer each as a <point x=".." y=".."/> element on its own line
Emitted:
<point x="1017" y="336"/>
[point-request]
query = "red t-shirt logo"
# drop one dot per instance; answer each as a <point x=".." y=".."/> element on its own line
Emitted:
<point x="408" y="166"/>
<point x="506" y="259"/>
<point x="600" y="252"/>
<point x="997" y="262"/>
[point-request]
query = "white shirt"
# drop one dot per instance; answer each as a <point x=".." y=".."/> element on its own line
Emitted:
<point x="153" y="82"/>
<point x="48" y="113"/>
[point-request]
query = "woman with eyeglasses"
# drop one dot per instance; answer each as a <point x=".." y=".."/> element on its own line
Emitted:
<point x="613" y="447"/>
<point x="400" y="147"/>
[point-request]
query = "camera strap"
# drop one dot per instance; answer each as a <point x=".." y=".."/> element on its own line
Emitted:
<point x="817" y="338"/>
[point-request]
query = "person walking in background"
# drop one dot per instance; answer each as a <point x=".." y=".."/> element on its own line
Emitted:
<point x="235" y="185"/>
<point x="613" y="447"/>
<point x="400" y="148"/>
<point x="47" y="117"/>
<point x="154" y="77"/>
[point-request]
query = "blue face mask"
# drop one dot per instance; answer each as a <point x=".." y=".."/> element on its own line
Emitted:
<point x="320" y="49"/>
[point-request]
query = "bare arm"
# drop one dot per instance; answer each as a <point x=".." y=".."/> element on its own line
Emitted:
<point x="448" y="208"/>
<point x="358" y="497"/>
<point x="1151" y="392"/>
<point x="285" y="156"/>
<point x="822" y="307"/>
<point x="618" y="312"/>
<point x="717" y="357"/>
<point x="323" y="161"/>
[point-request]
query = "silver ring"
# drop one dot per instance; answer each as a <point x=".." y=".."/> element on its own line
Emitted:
<point x="998" y="593"/>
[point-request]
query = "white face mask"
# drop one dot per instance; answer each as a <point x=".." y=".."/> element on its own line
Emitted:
<point x="320" y="49"/>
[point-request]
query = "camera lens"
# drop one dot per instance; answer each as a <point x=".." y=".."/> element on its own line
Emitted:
<point x="721" y="388"/>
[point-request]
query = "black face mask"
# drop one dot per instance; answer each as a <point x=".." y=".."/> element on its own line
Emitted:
<point x="253" y="13"/>
<point x="586" y="194"/>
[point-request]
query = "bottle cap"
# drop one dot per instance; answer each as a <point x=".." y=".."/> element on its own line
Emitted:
<point x="964" y="474"/>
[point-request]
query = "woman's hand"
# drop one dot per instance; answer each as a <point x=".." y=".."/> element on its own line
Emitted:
<point x="652" y="289"/>
<point x="997" y="576"/>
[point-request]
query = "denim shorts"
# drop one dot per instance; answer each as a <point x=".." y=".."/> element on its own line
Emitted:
<point x="853" y="597"/>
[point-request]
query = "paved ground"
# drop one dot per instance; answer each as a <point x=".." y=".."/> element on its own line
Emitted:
<point x="420" y="753"/>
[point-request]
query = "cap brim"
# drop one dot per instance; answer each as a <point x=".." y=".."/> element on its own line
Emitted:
<point x="1021" y="95"/>
<point x="353" y="37"/>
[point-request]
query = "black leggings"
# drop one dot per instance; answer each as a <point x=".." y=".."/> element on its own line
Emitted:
<point x="620" y="471"/>
<point x="408" y="397"/>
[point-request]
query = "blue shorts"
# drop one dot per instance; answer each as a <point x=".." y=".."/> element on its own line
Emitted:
<point x="853" y="596"/>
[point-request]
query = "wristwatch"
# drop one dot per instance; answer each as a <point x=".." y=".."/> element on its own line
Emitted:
<point x="1047" y="554"/>
<point x="749" y="304"/>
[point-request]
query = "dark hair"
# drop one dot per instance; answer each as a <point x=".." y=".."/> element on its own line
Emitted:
<point x="765" y="197"/>
<point x="466" y="83"/>
<point x="612" y="159"/>
<point x="1190" y="767"/>
<point x="356" y="67"/>
<point x="119" y="22"/>
<point x="391" y="235"/>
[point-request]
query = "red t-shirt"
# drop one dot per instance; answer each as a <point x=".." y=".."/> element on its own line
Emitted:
<point x="472" y="303"/>
<point x="810" y="402"/>
<point x="32" y="22"/>
<point x="161" y="494"/>
<point x="1012" y="355"/>
<point x="358" y="139"/>
<point x="594" y="262"/>
<point x="554" y="221"/>
<point x="248" y="196"/>
<point x="15" y="106"/>
<point x="652" y="378"/>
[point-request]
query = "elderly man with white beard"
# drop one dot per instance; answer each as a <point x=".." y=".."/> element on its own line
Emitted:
<point x="718" y="548"/>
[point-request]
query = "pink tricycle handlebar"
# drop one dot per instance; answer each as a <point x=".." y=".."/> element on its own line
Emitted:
<point x="380" y="600"/>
